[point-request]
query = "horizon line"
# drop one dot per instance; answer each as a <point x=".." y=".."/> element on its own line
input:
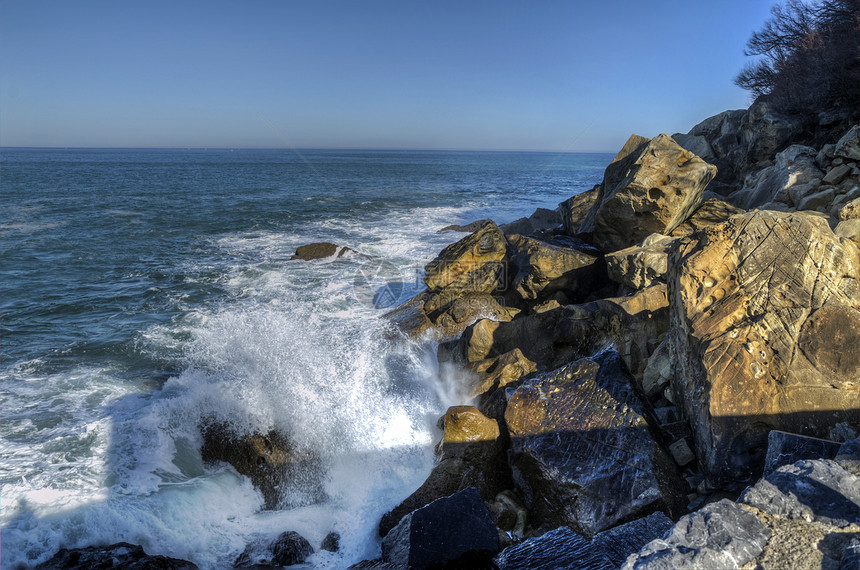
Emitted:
<point x="330" y="149"/>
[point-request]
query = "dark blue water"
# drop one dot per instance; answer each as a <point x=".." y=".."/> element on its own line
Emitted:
<point x="145" y="289"/>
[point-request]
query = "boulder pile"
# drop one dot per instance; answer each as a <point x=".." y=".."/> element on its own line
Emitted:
<point x="661" y="375"/>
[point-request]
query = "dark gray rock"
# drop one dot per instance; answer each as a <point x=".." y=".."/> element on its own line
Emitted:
<point x="851" y="558"/>
<point x="121" y="555"/>
<point x="291" y="548"/>
<point x="582" y="452"/>
<point x="451" y="530"/>
<point x="559" y="548"/>
<point x="331" y="542"/>
<point x="786" y="448"/>
<point x="720" y="536"/>
<point x="849" y="456"/>
<point x="564" y="548"/>
<point x="811" y="490"/>
<point x="620" y="542"/>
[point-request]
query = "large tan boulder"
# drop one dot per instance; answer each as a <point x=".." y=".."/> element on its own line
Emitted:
<point x="542" y="268"/>
<point x="443" y="315"/>
<point x="765" y="313"/>
<point x="651" y="186"/>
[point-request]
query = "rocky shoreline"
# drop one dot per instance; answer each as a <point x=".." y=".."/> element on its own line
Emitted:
<point x="663" y="372"/>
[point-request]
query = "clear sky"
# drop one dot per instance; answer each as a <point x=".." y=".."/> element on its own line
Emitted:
<point x="496" y="75"/>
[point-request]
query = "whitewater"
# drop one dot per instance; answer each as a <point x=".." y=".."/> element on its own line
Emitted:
<point x="145" y="292"/>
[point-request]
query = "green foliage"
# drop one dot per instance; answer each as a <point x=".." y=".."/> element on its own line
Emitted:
<point x="808" y="56"/>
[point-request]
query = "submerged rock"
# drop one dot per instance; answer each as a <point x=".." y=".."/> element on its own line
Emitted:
<point x="720" y="536"/>
<point x="320" y="250"/>
<point x="651" y="186"/>
<point x="582" y="451"/>
<point x="285" y="476"/>
<point x="763" y="307"/>
<point x="455" y="530"/>
<point x="119" y="555"/>
<point x="287" y="549"/>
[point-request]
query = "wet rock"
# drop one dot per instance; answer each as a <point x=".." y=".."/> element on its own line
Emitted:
<point x="449" y="313"/>
<point x="848" y="147"/>
<point x="722" y="535"/>
<point x="651" y="186"/>
<point x="558" y="336"/>
<point x="787" y="448"/>
<point x="471" y="455"/>
<point x="470" y="227"/>
<point x="286" y="476"/>
<point x="320" y="250"/>
<point x="290" y="548"/>
<point x="451" y="530"/>
<point x="762" y="308"/>
<point x="812" y="490"/>
<point x="119" y="555"/>
<point x="541" y="268"/>
<point x="493" y="373"/>
<point x="582" y="452"/>
<point x="472" y="264"/>
<point x="640" y="266"/>
<point x="574" y="210"/>
<point x="331" y="542"/>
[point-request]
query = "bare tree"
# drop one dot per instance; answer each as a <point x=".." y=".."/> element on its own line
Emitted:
<point x="808" y="56"/>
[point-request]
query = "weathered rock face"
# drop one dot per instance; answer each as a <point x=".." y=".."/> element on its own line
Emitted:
<point x="640" y="266"/>
<point x="470" y="455"/>
<point x="711" y="212"/>
<point x="582" y="452"/>
<point x="471" y="264"/>
<point x="119" y="555"/>
<point x="563" y="548"/>
<point x="651" y="186"/>
<point x="286" y="477"/>
<point x="542" y="268"/>
<point x="812" y="490"/>
<point x="850" y="211"/>
<point x="320" y="250"/>
<point x="570" y="332"/>
<point x="719" y="536"/>
<point x="763" y="307"/>
<point x="454" y="530"/>
<point x="574" y="210"/>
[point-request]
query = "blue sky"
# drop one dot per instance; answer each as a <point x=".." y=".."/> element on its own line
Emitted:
<point x="537" y="75"/>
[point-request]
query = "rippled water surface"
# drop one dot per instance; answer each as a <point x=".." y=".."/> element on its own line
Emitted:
<point x="146" y="290"/>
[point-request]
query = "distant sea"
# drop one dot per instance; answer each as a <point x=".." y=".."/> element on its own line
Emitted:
<point x="144" y="291"/>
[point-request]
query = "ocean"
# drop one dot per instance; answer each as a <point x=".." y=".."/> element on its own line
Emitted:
<point x="145" y="291"/>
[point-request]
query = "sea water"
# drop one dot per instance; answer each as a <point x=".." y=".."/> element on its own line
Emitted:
<point x="147" y="291"/>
